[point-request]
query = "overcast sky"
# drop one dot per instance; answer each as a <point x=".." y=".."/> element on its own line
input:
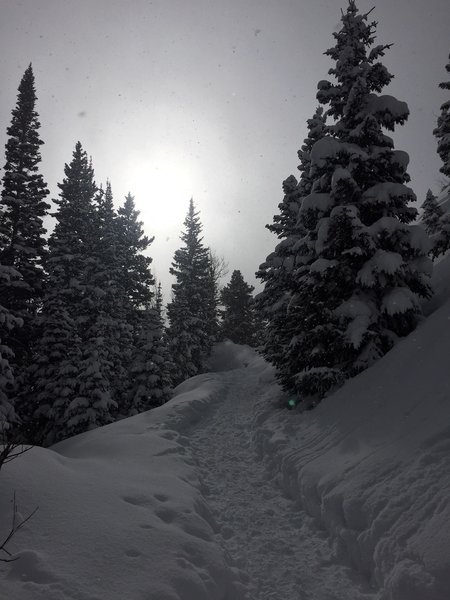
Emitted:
<point x="206" y="98"/>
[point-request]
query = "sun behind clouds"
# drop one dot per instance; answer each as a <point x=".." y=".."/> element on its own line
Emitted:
<point x="162" y="187"/>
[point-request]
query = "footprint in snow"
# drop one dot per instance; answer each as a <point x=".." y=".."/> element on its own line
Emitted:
<point x="161" y="497"/>
<point x="227" y="533"/>
<point x="166" y="514"/>
<point x="169" y="435"/>
<point x="138" y="500"/>
<point x="30" y="566"/>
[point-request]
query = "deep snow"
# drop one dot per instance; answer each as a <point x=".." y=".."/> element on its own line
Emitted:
<point x="222" y="494"/>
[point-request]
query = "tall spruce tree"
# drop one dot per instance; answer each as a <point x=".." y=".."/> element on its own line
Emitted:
<point x="432" y="213"/>
<point x="114" y="314"/>
<point x="135" y="282"/>
<point x="442" y="131"/>
<point x="71" y="390"/>
<point x="238" y="319"/>
<point x="436" y="224"/>
<point x="441" y="234"/>
<point x="189" y="341"/>
<point x="362" y="267"/>
<point x="8" y="322"/>
<point x="276" y="272"/>
<point x="22" y="241"/>
<point x="152" y="367"/>
<point x="135" y="265"/>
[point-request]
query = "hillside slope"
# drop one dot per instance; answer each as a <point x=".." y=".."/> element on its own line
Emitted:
<point x="372" y="465"/>
<point x="222" y="494"/>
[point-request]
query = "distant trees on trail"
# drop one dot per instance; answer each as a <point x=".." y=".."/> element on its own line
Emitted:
<point x="238" y="313"/>
<point x="190" y="313"/>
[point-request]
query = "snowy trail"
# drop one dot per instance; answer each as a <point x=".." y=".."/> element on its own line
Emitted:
<point x="283" y="554"/>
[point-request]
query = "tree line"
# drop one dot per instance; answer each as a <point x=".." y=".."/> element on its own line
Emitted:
<point x="83" y="338"/>
<point x="347" y="277"/>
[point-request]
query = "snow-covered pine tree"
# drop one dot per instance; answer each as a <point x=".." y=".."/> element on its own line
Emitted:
<point x="8" y="322"/>
<point x="431" y="214"/>
<point x="441" y="237"/>
<point x="113" y="310"/>
<point x="436" y="224"/>
<point x="136" y="282"/>
<point x="442" y="131"/>
<point x="137" y="278"/>
<point x="238" y="319"/>
<point x="369" y="268"/>
<point x="189" y="341"/>
<point x="285" y="223"/>
<point x="271" y="304"/>
<point x="23" y="207"/>
<point x="152" y="366"/>
<point x="71" y="373"/>
<point x="292" y="253"/>
<point x="159" y="301"/>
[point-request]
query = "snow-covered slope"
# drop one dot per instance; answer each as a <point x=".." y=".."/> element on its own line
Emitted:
<point x="372" y="465"/>
<point x="121" y="515"/>
<point x="223" y="494"/>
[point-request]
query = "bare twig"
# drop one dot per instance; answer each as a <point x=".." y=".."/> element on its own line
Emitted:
<point x="15" y="526"/>
<point x="9" y="448"/>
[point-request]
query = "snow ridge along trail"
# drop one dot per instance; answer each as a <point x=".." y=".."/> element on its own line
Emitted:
<point x="269" y="538"/>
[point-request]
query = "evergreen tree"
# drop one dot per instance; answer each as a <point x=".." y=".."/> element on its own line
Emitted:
<point x="189" y="341"/>
<point x="71" y="373"/>
<point x="8" y="322"/>
<point x="441" y="234"/>
<point x="135" y="283"/>
<point x="137" y="278"/>
<point x="277" y="271"/>
<point x="360" y="268"/>
<point x="22" y="241"/>
<point x="112" y="317"/>
<point x="152" y="367"/>
<point x="432" y="213"/>
<point x="442" y="131"/>
<point x="238" y="321"/>
<point x="159" y="302"/>
<point x="285" y="223"/>
<point x="436" y="224"/>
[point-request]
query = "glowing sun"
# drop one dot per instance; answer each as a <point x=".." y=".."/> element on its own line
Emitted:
<point x="162" y="189"/>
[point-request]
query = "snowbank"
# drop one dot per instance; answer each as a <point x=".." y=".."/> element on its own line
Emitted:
<point x="440" y="282"/>
<point x="372" y="465"/>
<point x="227" y="356"/>
<point x="121" y="514"/>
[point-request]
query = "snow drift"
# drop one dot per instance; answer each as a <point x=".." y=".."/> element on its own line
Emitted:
<point x="121" y="515"/>
<point x="123" y="512"/>
<point x="372" y="463"/>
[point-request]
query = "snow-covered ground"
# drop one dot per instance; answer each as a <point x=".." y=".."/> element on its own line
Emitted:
<point x="222" y="494"/>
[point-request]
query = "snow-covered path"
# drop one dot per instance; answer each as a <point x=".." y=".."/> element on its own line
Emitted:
<point x="283" y="554"/>
<point x="219" y="495"/>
